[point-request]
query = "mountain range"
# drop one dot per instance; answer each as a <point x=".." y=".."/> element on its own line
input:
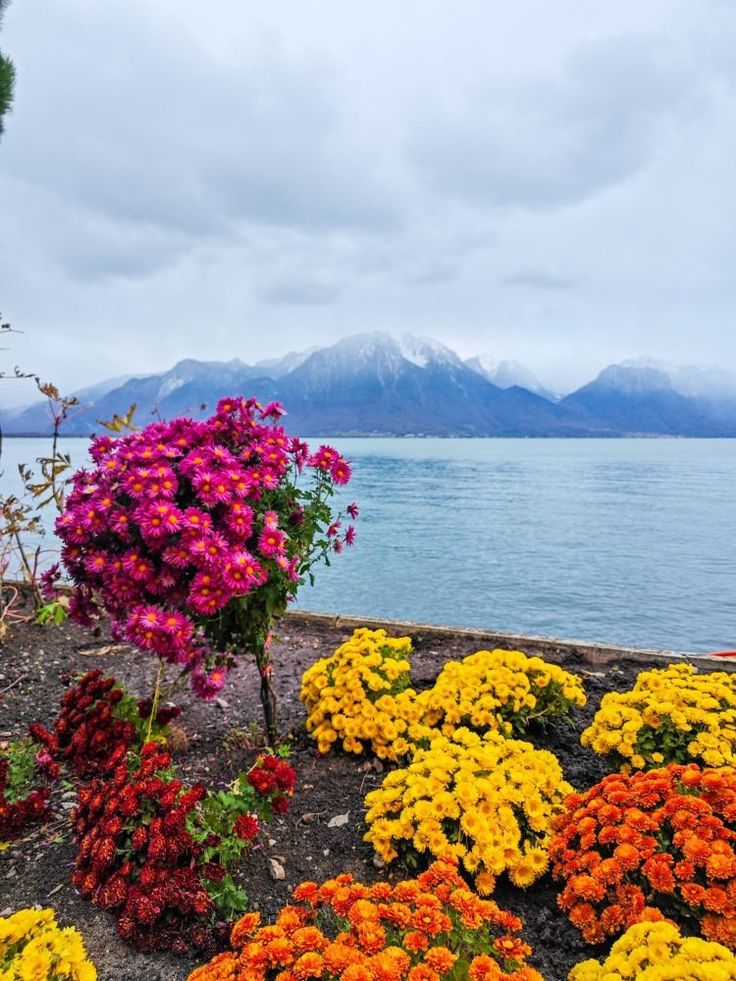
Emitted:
<point x="375" y="384"/>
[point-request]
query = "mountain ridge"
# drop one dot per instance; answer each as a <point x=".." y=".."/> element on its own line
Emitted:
<point x="377" y="384"/>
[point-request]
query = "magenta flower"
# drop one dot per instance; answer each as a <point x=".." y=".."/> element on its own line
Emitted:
<point x="193" y="519"/>
<point x="239" y="520"/>
<point x="95" y="563"/>
<point x="341" y="472"/>
<point x="177" y="523"/>
<point x="100" y="446"/>
<point x="208" y="685"/>
<point x="271" y="542"/>
<point x="274" y="409"/>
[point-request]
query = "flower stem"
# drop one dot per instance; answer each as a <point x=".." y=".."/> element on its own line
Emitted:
<point x="154" y="703"/>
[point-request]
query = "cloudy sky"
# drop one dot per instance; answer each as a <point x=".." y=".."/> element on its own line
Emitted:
<point x="549" y="182"/>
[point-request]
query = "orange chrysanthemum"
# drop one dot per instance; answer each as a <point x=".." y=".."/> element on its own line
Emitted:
<point x="440" y="959"/>
<point x="379" y="934"/>
<point x="645" y="845"/>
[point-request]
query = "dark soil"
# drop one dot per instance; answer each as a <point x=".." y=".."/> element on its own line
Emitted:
<point x="37" y="870"/>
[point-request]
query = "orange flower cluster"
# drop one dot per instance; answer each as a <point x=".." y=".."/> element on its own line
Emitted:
<point x="649" y="845"/>
<point x="421" y="929"/>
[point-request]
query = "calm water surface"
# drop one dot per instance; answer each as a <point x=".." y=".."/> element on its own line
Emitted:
<point x="620" y="541"/>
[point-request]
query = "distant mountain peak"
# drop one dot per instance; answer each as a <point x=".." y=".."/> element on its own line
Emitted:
<point x="696" y="381"/>
<point x="632" y="380"/>
<point x="423" y="351"/>
<point x="505" y="374"/>
<point x="278" y="367"/>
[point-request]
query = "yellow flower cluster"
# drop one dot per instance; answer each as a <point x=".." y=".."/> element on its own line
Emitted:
<point x="360" y="697"/>
<point x="487" y="800"/>
<point x="657" y="952"/>
<point x="672" y="715"/>
<point x="501" y="690"/>
<point x="33" y="948"/>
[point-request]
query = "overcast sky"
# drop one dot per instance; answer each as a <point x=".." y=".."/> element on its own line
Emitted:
<point x="549" y="182"/>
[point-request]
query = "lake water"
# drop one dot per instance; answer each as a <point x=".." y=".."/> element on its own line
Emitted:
<point x="619" y="541"/>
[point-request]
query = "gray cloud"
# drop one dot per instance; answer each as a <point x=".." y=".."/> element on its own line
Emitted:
<point x="543" y="141"/>
<point x="298" y="292"/>
<point x="545" y="183"/>
<point x="535" y="279"/>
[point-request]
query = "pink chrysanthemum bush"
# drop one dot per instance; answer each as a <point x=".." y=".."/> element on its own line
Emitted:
<point x="194" y="535"/>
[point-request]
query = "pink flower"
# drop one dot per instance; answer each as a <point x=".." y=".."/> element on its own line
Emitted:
<point x="350" y="535"/>
<point x="177" y="556"/>
<point x="207" y="685"/>
<point x="270" y="520"/>
<point x="137" y="566"/>
<point x="100" y="446"/>
<point x="120" y="523"/>
<point x="163" y="483"/>
<point x="206" y="596"/>
<point x="195" y="461"/>
<point x="82" y="608"/>
<point x="300" y="453"/>
<point x="271" y="541"/>
<point x="274" y="457"/>
<point x="212" y="487"/>
<point x="239" y="520"/>
<point x="144" y="628"/>
<point x="208" y="549"/>
<point x="95" y="563"/>
<point x="273" y="409"/>
<point x="50" y="582"/>
<point x="238" y="573"/>
<point x="158" y="520"/>
<point x="195" y="520"/>
<point x="341" y="471"/>
<point x="324" y="458"/>
<point x="270" y="479"/>
<point x="332" y="530"/>
<point x="254" y="571"/>
<point x="136" y="484"/>
<point x="353" y="510"/>
<point x="238" y="480"/>
<point x="222" y="457"/>
<point x="228" y="407"/>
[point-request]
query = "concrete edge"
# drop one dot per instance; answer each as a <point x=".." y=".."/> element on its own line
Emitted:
<point x="593" y="653"/>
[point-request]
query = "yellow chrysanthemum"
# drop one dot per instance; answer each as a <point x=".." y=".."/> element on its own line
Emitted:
<point x="490" y="785"/>
<point x="671" y="715"/>
<point x="658" y="952"/>
<point x="499" y="690"/>
<point x="33" y="948"/>
<point x="359" y="697"/>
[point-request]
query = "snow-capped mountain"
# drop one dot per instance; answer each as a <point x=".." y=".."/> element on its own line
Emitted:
<point x="377" y="384"/>
<point x="506" y="374"/>
<point x="695" y="381"/>
<point x="278" y="367"/>
<point x="639" y="399"/>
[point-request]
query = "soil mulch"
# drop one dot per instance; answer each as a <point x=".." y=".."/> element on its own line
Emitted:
<point x="37" y="870"/>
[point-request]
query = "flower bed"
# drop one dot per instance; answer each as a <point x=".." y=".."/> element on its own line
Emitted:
<point x="305" y="842"/>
